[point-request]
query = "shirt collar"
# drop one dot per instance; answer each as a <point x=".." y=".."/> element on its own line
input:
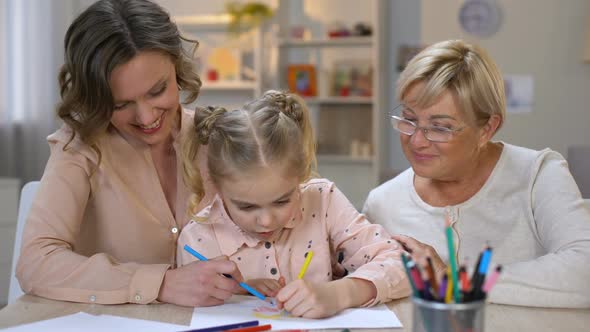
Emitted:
<point x="230" y="236"/>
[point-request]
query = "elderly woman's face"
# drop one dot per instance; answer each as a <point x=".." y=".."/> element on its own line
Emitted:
<point x="436" y="160"/>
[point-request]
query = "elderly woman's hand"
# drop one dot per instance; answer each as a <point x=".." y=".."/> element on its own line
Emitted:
<point x="420" y="251"/>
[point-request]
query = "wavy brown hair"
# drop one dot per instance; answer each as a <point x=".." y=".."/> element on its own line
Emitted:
<point x="107" y="34"/>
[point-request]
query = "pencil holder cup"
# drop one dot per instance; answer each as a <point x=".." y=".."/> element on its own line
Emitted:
<point x="432" y="316"/>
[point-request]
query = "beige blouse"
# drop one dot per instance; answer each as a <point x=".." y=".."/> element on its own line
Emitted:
<point x="105" y="237"/>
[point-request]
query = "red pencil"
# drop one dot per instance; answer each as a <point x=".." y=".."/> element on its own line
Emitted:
<point x="252" y="328"/>
<point x="465" y="284"/>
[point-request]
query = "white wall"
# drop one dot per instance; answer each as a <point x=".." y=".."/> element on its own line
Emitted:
<point x="542" y="38"/>
<point x="404" y="29"/>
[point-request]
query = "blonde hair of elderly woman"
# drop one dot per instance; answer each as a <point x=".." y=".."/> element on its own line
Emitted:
<point x="462" y="68"/>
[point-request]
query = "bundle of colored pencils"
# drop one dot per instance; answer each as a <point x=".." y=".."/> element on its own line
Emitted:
<point x="454" y="286"/>
<point x="426" y="286"/>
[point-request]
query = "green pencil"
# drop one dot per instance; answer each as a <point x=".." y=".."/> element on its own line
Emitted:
<point x="405" y="261"/>
<point x="452" y="260"/>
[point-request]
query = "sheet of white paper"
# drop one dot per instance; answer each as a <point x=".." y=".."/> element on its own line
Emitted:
<point x="88" y="323"/>
<point x="246" y="308"/>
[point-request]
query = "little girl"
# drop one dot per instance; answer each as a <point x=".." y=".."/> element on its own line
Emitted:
<point x="269" y="214"/>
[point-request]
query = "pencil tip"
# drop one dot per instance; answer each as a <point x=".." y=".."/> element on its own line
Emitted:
<point x="271" y="301"/>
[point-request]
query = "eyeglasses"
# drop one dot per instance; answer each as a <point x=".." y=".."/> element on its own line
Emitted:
<point x="432" y="133"/>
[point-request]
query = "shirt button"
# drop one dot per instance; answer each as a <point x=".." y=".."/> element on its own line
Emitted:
<point x="92" y="298"/>
<point x="174" y="230"/>
<point x="267" y="245"/>
<point x="137" y="297"/>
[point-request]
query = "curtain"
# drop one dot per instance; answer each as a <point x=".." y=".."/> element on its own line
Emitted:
<point x="31" y="45"/>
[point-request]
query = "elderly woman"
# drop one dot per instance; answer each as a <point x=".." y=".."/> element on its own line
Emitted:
<point x="521" y="202"/>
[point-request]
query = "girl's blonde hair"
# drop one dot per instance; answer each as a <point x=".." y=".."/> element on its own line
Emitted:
<point x="272" y="131"/>
<point x="461" y="68"/>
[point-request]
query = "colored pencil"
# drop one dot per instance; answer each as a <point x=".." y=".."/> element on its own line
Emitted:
<point x="465" y="284"/>
<point x="226" y="327"/>
<point x="474" y="273"/>
<point x="449" y="295"/>
<point x="252" y="328"/>
<point x="405" y="261"/>
<point x="305" y="264"/>
<point x="431" y="275"/>
<point x="492" y="279"/>
<point x="415" y="273"/>
<point x="477" y="292"/>
<point x="442" y="290"/>
<point x="452" y="258"/>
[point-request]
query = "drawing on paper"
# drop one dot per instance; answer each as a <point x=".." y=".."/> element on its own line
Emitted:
<point x="267" y="312"/>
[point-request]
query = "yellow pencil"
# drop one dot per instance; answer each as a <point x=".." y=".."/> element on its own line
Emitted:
<point x="449" y="295"/>
<point x="305" y="264"/>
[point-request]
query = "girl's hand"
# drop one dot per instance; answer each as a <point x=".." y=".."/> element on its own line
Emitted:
<point x="305" y="299"/>
<point x="419" y="251"/>
<point x="268" y="287"/>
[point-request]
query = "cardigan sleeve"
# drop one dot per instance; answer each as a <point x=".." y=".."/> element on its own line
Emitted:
<point x="562" y="222"/>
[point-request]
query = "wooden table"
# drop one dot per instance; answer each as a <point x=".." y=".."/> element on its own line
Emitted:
<point x="29" y="309"/>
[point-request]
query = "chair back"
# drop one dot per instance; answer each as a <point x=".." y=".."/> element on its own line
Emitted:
<point x="26" y="199"/>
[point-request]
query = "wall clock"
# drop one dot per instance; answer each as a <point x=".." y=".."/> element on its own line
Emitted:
<point x="481" y="18"/>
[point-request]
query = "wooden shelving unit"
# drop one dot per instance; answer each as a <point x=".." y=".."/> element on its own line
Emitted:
<point x="340" y="122"/>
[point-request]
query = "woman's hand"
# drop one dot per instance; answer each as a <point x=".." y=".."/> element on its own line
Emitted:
<point x="302" y="298"/>
<point x="201" y="284"/>
<point x="268" y="287"/>
<point x="420" y="251"/>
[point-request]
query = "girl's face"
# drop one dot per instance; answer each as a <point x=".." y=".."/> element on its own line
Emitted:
<point x="146" y="97"/>
<point x="261" y="202"/>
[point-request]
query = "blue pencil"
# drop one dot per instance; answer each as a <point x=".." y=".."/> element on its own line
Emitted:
<point x="226" y="327"/>
<point x="482" y="270"/>
<point x="242" y="284"/>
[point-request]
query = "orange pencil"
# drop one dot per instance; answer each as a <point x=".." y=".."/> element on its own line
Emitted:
<point x="465" y="284"/>
<point x="252" y="328"/>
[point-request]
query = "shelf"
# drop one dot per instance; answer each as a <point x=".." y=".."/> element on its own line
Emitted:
<point x="332" y="42"/>
<point x="343" y="159"/>
<point x="228" y="85"/>
<point x="203" y="21"/>
<point x="339" y="100"/>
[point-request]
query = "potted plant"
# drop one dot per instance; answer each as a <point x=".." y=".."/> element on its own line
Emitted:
<point x="245" y="16"/>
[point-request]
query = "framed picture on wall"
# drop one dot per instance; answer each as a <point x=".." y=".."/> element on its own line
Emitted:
<point x="352" y="78"/>
<point x="302" y="79"/>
